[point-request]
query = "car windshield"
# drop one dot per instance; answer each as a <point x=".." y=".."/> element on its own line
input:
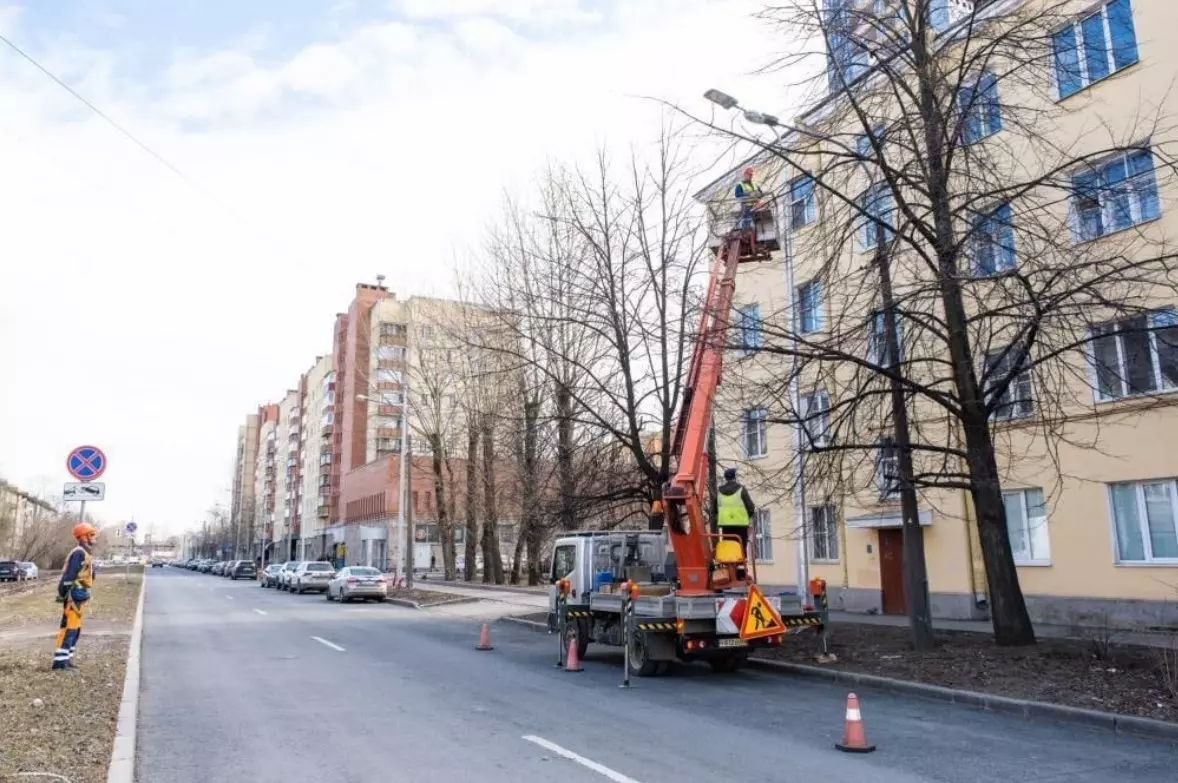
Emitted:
<point x="362" y="571"/>
<point x="318" y="567"/>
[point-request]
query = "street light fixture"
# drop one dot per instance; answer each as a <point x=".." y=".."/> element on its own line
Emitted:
<point x="728" y="103"/>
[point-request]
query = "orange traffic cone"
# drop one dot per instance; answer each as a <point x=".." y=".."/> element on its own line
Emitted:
<point x="573" y="662"/>
<point x="484" y="639"/>
<point x="854" y="738"/>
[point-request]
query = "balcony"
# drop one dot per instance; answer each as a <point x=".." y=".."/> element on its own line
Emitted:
<point x="328" y="430"/>
<point x="322" y="511"/>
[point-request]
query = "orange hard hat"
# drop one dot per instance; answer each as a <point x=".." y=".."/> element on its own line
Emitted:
<point x="84" y="530"/>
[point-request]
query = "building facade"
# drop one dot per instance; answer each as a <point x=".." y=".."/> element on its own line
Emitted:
<point x="1091" y="505"/>
<point x="316" y="456"/>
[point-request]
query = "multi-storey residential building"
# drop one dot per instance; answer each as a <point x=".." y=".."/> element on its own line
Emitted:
<point x="20" y="513"/>
<point x="243" y="505"/>
<point x="287" y="482"/>
<point x="265" y="482"/>
<point x="1091" y="505"/>
<point x="316" y="455"/>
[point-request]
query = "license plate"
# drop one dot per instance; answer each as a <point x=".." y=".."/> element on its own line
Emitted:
<point x="734" y="643"/>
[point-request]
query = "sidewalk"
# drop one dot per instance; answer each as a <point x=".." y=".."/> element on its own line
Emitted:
<point x="1116" y="637"/>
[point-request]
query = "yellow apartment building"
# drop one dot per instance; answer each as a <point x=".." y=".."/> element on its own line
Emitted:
<point x="1085" y="442"/>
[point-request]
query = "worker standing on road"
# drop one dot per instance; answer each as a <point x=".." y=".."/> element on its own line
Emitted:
<point x="73" y="590"/>
<point x="734" y="509"/>
<point x="748" y="193"/>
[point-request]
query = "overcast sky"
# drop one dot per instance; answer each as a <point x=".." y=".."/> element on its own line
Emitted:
<point x="147" y="312"/>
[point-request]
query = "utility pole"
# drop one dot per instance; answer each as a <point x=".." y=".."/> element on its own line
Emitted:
<point x="409" y="538"/>
<point x="915" y="569"/>
<point x="403" y="489"/>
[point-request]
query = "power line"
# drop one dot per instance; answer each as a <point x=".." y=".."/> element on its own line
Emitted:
<point x="99" y="112"/>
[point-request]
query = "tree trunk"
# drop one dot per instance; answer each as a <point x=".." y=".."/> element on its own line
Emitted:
<point x="516" y="557"/>
<point x="529" y="496"/>
<point x="567" y="515"/>
<point x="492" y="557"/>
<point x="445" y="521"/>
<point x="472" y="517"/>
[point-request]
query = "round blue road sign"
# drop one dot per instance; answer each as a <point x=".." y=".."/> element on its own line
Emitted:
<point x="132" y="527"/>
<point x="86" y="463"/>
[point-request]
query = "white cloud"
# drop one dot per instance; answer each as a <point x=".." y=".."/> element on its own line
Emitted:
<point x="149" y="316"/>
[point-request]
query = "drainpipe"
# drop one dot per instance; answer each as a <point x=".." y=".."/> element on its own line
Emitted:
<point x="803" y="548"/>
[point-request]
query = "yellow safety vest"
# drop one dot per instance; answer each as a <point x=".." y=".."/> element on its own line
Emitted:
<point x="732" y="512"/>
<point x="749" y="189"/>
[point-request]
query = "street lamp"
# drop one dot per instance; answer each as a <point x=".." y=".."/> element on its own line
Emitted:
<point x="728" y="103"/>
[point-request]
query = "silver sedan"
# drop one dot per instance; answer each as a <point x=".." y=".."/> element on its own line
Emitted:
<point x="361" y="582"/>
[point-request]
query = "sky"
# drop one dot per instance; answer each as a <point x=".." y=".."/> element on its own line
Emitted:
<point x="148" y="306"/>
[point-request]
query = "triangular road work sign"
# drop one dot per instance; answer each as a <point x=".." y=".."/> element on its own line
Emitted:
<point x="760" y="618"/>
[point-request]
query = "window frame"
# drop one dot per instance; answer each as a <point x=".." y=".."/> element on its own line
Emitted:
<point x="980" y="105"/>
<point x="1139" y="190"/>
<point x="1142" y="522"/>
<point x="806" y="202"/>
<point x="750" y="324"/>
<point x="1023" y="378"/>
<point x="866" y="220"/>
<point x="1075" y="28"/>
<point x="754" y="415"/>
<point x="762" y="523"/>
<point x="830" y="533"/>
<point x="819" y="306"/>
<point x="887" y="452"/>
<point x="1027" y="528"/>
<point x="1171" y="314"/>
<point x="876" y="347"/>
<point x="810" y="418"/>
<point x="993" y="232"/>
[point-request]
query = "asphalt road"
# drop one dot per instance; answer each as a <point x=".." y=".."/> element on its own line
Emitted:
<point x="243" y="684"/>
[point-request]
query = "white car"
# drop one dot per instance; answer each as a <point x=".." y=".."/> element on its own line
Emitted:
<point x="311" y="576"/>
<point x="360" y="582"/>
<point x="31" y="570"/>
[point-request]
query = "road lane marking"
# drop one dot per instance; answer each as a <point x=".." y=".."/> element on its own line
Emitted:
<point x="259" y="611"/>
<point x="332" y="645"/>
<point x="229" y="597"/>
<point x="604" y="771"/>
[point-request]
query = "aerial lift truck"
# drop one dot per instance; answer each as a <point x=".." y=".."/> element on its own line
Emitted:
<point x="689" y="593"/>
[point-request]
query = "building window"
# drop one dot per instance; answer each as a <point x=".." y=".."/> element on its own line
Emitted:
<point x="993" y="242"/>
<point x="810" y="307"/>
<point x="824" y="534"/>
<point x="1114" y="196"/>
<point x="981" y="113"/>
<point x="762" y="536"/>
<point x="1015" y="401"/>
<point x="1097" y="45"/>
<point x="875" y="206"/>
<point x="877" y="343"/>
<point x="1137" y="355"/>
<point x="388" y="376"/>
<point x="1144" y="522"/>
<point x="753" y="434"/>
<point x="803" y="209"/>
<point x="887" y="469"/>
<point x="749" y="323"/>
<point x="816" y="419"/>
<point x="1026" y="521"/>
<point x="390" y="352"/>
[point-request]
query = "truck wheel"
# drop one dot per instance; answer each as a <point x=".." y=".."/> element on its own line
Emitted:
<point x="573" y="630"/>
<point x="640" y="663"/>
<point x="729" y="663"/>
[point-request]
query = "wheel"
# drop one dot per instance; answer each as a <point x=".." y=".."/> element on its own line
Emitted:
<point x="575" y="631"/>
<point x="298" y="590"/>
<point x="640" y="663"/>
<point x="343" y="597"/>
<point x="327" y="594"/>
<point x="729" y="663"/>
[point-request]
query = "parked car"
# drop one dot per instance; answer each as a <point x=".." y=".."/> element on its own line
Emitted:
<point x="362" y="582"/>
<point x="10" y="571"/>
<point x="243" y="569"/>
<point x="269" y="575"/>
<point x="288" y="569"/>
<point x="31" y="570"/>
<point x="311" y="576"/>
<point x="157" y="562"/>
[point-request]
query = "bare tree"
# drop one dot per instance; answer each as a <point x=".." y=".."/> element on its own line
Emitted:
<point x="1022" y="251"/>
<point x="593" y="285"/>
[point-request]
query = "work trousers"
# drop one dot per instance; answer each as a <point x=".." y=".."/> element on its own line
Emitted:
<point x="68" y="633"/>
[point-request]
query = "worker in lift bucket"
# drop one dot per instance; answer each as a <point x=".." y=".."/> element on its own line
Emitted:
<point x="734" y="509"/>
<point x="748" y="193"/>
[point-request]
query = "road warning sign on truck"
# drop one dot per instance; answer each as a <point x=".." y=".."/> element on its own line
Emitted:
<point x="760" y="618"/>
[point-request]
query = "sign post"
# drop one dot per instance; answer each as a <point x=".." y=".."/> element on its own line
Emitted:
<point x="85" y="464"/>
<point x="131" y="527"/>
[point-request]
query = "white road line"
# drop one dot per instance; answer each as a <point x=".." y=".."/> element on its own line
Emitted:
<point x="326" y="643"/>
<point x="229" y="597"/>
<point x="606" y="772"/>
<point x="260" y="611"/>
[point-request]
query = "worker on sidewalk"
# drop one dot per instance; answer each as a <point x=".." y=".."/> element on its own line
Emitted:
<point x="734" y="509"/>
<point x="73" y="590"/>
<point x="748" y="193"/>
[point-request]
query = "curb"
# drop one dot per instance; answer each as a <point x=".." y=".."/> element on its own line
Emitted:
<point x="405" y="602"/>
<point x="1024" y="708"/>
<point x="409" y="604"/>
<point x="122" y="758"/>
<point x="481" y="586"/>
<point x="531" y="625"/>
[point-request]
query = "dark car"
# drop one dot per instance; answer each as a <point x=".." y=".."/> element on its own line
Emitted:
<point x="10" y="571"/>
<point x="243" y="569"/>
